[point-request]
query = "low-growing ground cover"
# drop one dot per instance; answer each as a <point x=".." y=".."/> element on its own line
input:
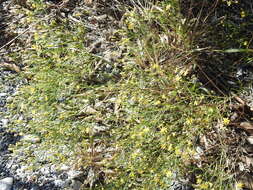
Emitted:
<point x="129" y="108"/>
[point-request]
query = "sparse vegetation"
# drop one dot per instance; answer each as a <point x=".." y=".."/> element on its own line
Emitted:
<point x="135" y="119"/>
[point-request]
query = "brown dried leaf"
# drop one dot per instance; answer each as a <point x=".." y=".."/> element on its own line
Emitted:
<point x="248" y="149"/>
<point x="249" y="161"/>
<point x="11" y="67"/>
<point x="204" y="142"/>
<point x="247" y="126"/>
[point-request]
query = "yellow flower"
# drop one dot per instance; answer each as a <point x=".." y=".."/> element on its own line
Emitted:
<point x="130" y="26"/>
<point x="170" y="147"/>
<point x="168" y="7"/>
<point x="204" y="186"/>
<point x="169" y="173"/>
<point x="155" y="66"/>
<point x="163" y="130"/>
<point x="177" y="78"/>
<point x="157" y="179"/>
<point x="134" y="155"/>
<point x="157" y="102"/>
<point x="189" y="121"/>
<point x="195" y="103"/>
<point x="239" y="186"/>
<point x="178" y="152"/>
<point x="243" y="14"/>
<point x="163" y="146"/>
<point x="131" y="174"/>
<point x="226" y="121"/>
<point x="199" y="180"/>
<point x="133" y="136"/>
<point x="146" y="130"/>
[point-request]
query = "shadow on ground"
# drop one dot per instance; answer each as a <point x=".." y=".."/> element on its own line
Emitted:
<point x="218" y="26"/>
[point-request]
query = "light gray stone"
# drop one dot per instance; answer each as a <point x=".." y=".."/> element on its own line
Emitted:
<point x="6" y="183"/>
<point x="5" y="122"/>
<point x="76" y="185"/>
<point x="74" y="174"/>
<point x="64" y="168"/>
<point x="60" y="183"/>
<point x="31" y="138"/>
<point x="3" y="94"/>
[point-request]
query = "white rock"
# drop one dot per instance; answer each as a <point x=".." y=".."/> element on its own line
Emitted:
<point x="3" y="94"/>
<point x="59" y="183"/>
<point x="90" y="110"/>
<point x="64" y="167"/>
<point x="101" y="17"/>
<point x="199" y="150"/>
<point x="45" y="170"/>
<point x="30" y="138"/>
<point x="6" y="183"/>
<point x="250" y="140"/>
<point x="74" y="174"/>
<point x="5" y="122"/>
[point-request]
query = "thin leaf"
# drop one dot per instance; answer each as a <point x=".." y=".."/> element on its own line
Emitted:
<point x="237" y="50"/>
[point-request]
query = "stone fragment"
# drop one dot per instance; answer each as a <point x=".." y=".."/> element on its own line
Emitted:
<point x="76" y="185"/>
<point x="64" y="167"/>
<point x="250" y="140"/>
<point x="6" y="183"/>
<point x="5" y="122"/>
<point x="60" y="183"/>
<point x="234" y="117"/>
<point x="74" y="174"/>
<point x="3" y="94"/>
<point x="31" y="138"/>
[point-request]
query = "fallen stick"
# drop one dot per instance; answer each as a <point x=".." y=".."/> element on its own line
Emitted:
<point x="11" y="67"/>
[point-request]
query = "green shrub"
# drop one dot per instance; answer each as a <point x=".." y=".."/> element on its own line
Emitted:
<point x="154" y="113"/>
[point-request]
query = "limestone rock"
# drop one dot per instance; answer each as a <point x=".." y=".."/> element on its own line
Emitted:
<point x="6" y="183"/>
<point x="31" y="138"/>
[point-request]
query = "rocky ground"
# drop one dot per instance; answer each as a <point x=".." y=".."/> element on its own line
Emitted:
<point x="11" y="169"/>
<point x="13" y="173"/>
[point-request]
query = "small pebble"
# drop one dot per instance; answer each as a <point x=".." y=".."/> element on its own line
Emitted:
<point x="5" y="122"/>
<point x="250" y="140"/>
<point x="3" y="94"/>
<point x="76" y="185"/>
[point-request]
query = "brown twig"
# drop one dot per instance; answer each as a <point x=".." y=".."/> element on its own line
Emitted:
<point x="11" y="67"/>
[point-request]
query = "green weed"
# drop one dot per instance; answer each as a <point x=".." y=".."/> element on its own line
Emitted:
<point x="153" y="113"/>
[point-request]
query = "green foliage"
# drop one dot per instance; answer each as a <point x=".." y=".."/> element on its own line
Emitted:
<point x="60" y="73"/>
<point x="155" y="112"/>
<point x="161" y="110"/>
